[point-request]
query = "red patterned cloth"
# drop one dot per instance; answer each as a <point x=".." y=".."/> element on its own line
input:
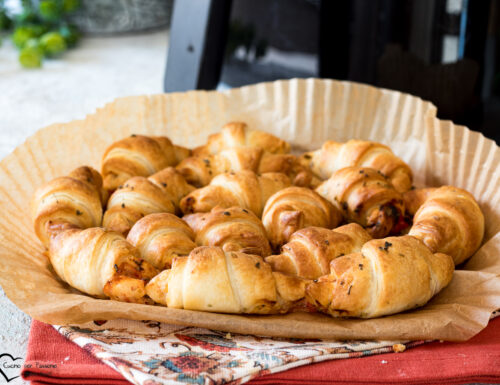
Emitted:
<point x="477" y="360"/>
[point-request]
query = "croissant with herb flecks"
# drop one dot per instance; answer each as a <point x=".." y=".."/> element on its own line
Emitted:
<point x="74" y="200"/>
<point x="333" y="156"/>
<point x="139" y="196"/>
<point x="138" y="155"/>
<point x="210" y="279"/>
<point x="366" y="197"/>
<point x="233" y="229"/>
<point x="388" y="276"/>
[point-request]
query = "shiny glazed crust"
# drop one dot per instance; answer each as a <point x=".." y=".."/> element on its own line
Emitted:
<point x="244" y="189"/>
<point x="309" y="251"/>
<point x="200" y="170"/>
<point x="366" y="197"/>
<point x="160" y="238"/>
<point x="233" y="229"/>
<point x="210" y="279"/>
<point x="237" y="134"/>
<point x="294" y="208"/>
<point x="138" y="155"/>
<point x="448" y="220"/>
<point x="139" y="196"/>
<point x="100" y="263"/>
<point x="389" y="276"/>
<point x="333" y="156"/>
<point x="75" y="200"/>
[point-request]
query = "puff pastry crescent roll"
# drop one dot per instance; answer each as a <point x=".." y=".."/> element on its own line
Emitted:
<point x="294" y="208"/>
<point x="309" y="251"/>
<point x="365" y="197"/>
<point x="333" y="156"/>
<point x="448" y="220"/>
<point x="74" y="200"/>
<point x="233" y="229"/>
<point x="138" y="155"/>
<point x="389" y="276"/>
<point x="100" y="263"/>
<point x="237" y="134"/>
<point x="210" y="279"/>
<point x="200" y="170"/>
<point x="243" y="189"/>
<point x="161" y="237"/>
<point x="139" y="196"/>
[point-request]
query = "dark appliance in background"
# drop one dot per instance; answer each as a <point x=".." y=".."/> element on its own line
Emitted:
<point x="445" y="51"/>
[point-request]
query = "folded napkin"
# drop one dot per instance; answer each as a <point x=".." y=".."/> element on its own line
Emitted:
<point x="150" y="353"/>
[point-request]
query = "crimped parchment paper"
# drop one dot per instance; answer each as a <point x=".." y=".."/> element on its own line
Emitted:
<point x="304" y="112"/>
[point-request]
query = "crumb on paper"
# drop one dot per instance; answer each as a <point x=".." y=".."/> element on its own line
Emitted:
<point x="228" y="336"/>
<point x="399" y="348"/>
<point x="383" y="362"/>
<point x="66" y="358"/>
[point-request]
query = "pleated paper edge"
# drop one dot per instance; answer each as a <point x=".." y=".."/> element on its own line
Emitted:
<point x="291" y="124"/>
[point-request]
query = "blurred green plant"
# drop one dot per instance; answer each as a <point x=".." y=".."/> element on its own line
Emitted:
<point x="41" y="29"/>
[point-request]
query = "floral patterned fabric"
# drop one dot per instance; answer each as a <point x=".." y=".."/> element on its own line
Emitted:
<point x="150" y="352"/>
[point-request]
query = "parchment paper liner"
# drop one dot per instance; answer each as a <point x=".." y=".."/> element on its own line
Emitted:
<point x="305" y="112"/>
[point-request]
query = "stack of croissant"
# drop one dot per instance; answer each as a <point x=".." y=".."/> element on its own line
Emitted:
<point x="240" y="225"/>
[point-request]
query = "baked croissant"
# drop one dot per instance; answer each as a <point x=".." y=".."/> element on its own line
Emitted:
<point x="309" y="251"/>
<point x="294" y="208"/>
<point x="448" y="220"/>
<point x="161" y="237"/>
<point x="200" y="170"/>
<point x="366" y="197"/>
<point x="333" y="156"/>
<point x="210" y="279"/>
<point x="138" y="155"/>
<point x="100" y="263"/>
<point x="290" y="165"/>
<point x="233" y="229"/>
<point x="237" y="134"/>
<point x="244" y="189"/>
<point x="140" y="196"/>
<point x="389" y="276"/>
<point x="76" y="199"/>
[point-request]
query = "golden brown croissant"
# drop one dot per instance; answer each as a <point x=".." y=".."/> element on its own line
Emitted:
<point x="210" y="279"/>
<point x="75" y="199"/>
<point x="200" y="170"/>
<point x="139" y="196"/>
<point x="233" y="229"/>
<point x="290" y="165"/>
<point x="309" y="251"/>
<point x="333" y="156"/>
<point x="161" y="237"/>
<point x="365" y="197"/>
<point x="138" y="155"/>
<point x="243" y="189"/>
<point x="237" y="134"/>
<point x="100" y="263"/>
<point x="389" y="276"/>
<point x="294" y="208"/>
<point x="448" y="220"/>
